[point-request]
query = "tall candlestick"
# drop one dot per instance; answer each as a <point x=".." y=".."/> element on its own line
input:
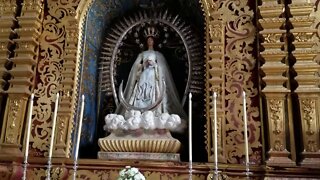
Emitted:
<point x="52" y="136"/>
<point x="190" y="135"/>
<point x="26" y="153"/>
<point x="75" y="165"/>
<point x="54" y="125"/>
<point x="79" y="129"/>
<point x="215" y="130"/>
<point x="245" y="127"/>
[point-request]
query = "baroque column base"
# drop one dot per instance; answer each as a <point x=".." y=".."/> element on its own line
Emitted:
<point x="10" y="149"/>
<point x="311" y="159"/>
<point x="280" y="158"/>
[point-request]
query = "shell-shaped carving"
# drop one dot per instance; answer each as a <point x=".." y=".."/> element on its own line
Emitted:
<point x="139" y="145"/>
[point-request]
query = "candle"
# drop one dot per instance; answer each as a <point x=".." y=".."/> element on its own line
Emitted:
<point x="79" y="129"/>
<point x="26" y="153"/>
<point x="245" y="127"/>
<point x="215" y="130"/>
<point x="54" y="125"/>
<point x="190" y="129"/>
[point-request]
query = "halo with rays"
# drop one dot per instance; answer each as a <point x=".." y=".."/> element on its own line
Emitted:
<point x="117" y="34"/>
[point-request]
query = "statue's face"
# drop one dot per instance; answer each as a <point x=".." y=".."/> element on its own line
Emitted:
<point x="150" y="41"/>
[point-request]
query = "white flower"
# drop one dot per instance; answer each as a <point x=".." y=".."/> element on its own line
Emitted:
<point x="130" y="173"/>
<point x="122" y="172"/>
<point x="139" y="176"/>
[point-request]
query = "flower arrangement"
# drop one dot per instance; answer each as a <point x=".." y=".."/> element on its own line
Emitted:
<point x="130" y="173"/>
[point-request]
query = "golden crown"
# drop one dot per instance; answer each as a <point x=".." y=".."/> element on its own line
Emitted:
<point x="150" y="32"/>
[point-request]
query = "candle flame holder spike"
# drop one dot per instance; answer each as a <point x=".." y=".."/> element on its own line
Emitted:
<point x="190" y="171"/>
<point x="25" y="166"/>
<point x="75" y="168"/>
<point x="48" y="173"/>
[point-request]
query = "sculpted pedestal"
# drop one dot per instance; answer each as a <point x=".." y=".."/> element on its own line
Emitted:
<point x="140" y="144"/>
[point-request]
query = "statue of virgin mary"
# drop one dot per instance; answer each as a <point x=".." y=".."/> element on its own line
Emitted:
<point x="145" y="84"/>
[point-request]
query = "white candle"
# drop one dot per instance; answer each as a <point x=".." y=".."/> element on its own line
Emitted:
<point x="79" y="129"/>
<point x="215" y="130"/>
<point x="26" y="153"/>
<point x="190" y="129"/>
<point x="245" y="127"/>
<point x="54" y="125"/>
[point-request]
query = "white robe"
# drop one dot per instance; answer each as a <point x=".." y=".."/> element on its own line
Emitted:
<point x="145" y="83"/>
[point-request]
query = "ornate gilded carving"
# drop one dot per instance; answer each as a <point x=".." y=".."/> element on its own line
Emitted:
<point x="22" y="71"/>
<point x="7" y="18"/>
<point x="308" y="115"/>
<point x="277" y="127"/>
<point x="276" y="117"/>
<point x="275" y="51"/>
<point x="305" y="20"/>
<point x="310" y="122"/>
<point x="12" y="120"/>
<point x="230" y="32"/>
<point x="12" y="127"/>
<point x="214" y="72"/>
<point x="39" y="173"/>
<point x="57" y="72"/>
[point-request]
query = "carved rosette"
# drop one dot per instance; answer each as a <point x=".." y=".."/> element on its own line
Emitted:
<point x="22" y="72"/>
<point x="274" y="68"/>
<point x="305" y="21"/>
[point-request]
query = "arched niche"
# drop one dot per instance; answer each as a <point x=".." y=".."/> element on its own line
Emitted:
<point x="100" y="16"/>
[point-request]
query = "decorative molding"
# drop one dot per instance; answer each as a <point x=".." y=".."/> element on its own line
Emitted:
<point x="309" y="110"/>
<point x="57" y="72"/>
<point x="22" y="72"/>
<point x="275" y="50"/>
<point x="214" y="33"/>
<point x="305" y="20"/>
<point x="229" y="66"/>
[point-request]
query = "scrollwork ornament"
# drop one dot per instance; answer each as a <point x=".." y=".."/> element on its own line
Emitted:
<point x="50" y="68"/>
<point x="61" y="9"/>
<point x="312" y="146"/>
<point x="240" y="63"/>
<point x="278" y="146"/>
<point x="275" y="109"/>
<point x="308" y="114"/>
<point x="14" y="105"/>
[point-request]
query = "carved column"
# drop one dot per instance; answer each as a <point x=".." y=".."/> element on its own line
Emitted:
<point x="215" y="76"/>
<point x="274" y="90"/>
<point x="26" y="54"/>
<point x="69" y="93"/>
<point x="307" y="68"/>
<point x="7" y="19"/>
